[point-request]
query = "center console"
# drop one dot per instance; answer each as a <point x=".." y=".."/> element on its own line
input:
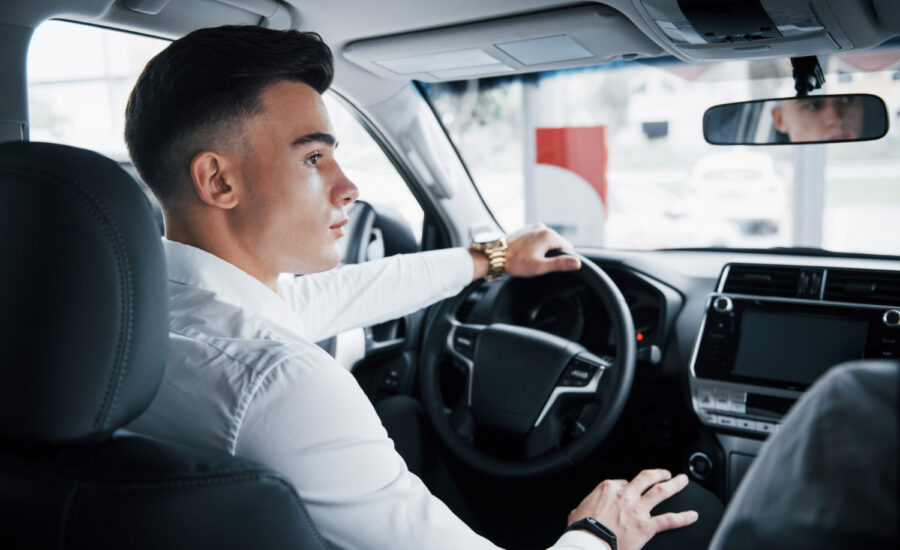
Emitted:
<point x="768" y="333"/>
<point x="755" y="356"/>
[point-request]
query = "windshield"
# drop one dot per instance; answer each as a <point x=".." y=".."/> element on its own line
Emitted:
<point x="614" y="156"/>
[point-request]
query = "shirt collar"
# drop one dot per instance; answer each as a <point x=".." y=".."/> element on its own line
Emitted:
<point x="192" y="266"/>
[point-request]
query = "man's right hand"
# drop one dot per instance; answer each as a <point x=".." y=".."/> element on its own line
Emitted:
<point x="624" y="507"/>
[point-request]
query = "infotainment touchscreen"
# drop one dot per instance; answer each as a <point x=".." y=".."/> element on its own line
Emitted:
<point x="795" y="348"/>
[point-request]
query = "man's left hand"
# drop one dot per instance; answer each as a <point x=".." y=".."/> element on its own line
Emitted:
<point x="526" y="255"/>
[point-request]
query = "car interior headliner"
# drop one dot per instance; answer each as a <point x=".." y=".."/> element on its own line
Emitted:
<point x="358" y="31"/>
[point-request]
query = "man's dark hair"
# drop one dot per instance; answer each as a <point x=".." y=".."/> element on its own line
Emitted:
<point x="195" y="94"/>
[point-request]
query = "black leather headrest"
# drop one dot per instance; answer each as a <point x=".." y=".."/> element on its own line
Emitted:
<point x="82" y="293"/>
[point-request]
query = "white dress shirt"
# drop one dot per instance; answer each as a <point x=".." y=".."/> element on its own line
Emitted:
<point x="243" y="375"/>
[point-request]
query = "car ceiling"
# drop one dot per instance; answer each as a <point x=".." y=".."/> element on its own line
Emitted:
<point x="360" y="31"/>
<point x="862" y="23"/>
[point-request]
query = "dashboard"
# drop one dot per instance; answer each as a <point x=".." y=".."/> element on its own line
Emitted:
<point x="729" y="339"/>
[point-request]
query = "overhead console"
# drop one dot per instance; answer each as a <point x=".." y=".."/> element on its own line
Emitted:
<point x="698" y="30"/>
<point x="560" y="38"/>
<point x="770" y="331"/>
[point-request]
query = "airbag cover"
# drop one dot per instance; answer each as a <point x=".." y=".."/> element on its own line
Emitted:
<point x="515" y="370"/>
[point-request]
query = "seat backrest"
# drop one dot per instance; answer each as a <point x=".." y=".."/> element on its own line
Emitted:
<point x="828" y="479"/>
<point x="84" y="335"/>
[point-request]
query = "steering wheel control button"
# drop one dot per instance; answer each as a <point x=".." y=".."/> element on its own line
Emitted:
<point x="464" y="341"/>
<point x="700" y="465"/>
<point x="891" y="318"/>
<point x="578" y="374"/>
<point x="723" y="304"/>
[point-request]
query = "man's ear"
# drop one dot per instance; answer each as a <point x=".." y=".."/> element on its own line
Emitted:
<point x="214" y="175"/>
<point x="778" y="120"/>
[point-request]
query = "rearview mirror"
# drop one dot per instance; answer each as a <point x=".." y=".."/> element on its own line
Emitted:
<point x="811" y="119"/>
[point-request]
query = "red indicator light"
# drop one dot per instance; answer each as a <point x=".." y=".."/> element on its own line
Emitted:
<point x="640" y="336"/>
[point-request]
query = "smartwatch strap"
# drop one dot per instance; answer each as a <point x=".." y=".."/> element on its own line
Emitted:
<point x="595" y="527"/>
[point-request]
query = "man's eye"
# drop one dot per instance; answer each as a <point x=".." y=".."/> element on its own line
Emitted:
<point x="313" y="159"/>
<point x="813" y="105"/>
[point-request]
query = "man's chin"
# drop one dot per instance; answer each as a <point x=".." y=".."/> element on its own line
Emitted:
<point x="326" y="262"/>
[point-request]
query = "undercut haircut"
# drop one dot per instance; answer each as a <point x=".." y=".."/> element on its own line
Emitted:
<point x="196" y="94"/>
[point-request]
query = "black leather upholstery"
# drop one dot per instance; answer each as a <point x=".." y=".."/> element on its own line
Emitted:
<point x="753" y="535"/>
<point x="83" y="295"/>
<point x="138" y="493"/>
<point x="84" y="340"/>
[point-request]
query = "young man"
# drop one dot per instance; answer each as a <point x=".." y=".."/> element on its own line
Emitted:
<point x="228" y="129"/>
<point x="814" y="119"/>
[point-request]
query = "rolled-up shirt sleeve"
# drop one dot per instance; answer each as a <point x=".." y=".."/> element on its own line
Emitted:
<point x="372" y="292"/>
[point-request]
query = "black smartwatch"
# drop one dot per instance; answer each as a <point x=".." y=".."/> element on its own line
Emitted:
<point x="595" y="527"/>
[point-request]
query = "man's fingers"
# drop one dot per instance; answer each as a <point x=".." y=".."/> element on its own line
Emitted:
<point x="563" y="263"/>
<point x="663" y="490"/>
<point x="645" y="480"/>
<point x="542" y="265"/>
<point x="673" y="520"/>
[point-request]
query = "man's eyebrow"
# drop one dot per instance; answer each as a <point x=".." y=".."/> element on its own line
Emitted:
<point x="321" y="137"/>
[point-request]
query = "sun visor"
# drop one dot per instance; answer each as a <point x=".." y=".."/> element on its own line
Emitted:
<point x="581" y="36"/>
<point x="889" y="14"/>
<point x="709" y="30"/>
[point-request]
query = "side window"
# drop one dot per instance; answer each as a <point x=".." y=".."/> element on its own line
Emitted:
<point x="366" y="165"/>
<point x="79" y="79"/>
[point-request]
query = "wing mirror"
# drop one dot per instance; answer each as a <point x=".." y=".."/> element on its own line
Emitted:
<point x="810" y="119"/>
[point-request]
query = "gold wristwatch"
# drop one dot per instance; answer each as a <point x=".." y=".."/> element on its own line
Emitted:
<point x="495" y="252"/>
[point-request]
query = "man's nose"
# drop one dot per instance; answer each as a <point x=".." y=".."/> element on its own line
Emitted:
<point x="344" y="191"/>
<point x="836" y="110"/>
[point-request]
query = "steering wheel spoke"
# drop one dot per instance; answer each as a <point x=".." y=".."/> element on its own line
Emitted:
<point x="460" y="344"/>
<point x="581" y="378"/>
<point x="461" y="420"/>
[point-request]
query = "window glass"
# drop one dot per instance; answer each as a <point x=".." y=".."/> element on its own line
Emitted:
<point x="366" y="165"/>
<point x="79" y="79"/>
<point x="614" y="156"/>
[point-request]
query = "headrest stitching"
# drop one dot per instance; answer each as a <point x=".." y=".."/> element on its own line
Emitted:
<point x="126" y="320"/>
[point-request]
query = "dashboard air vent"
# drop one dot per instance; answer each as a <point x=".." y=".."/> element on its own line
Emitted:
<point x="863" y="287"/>
<point x="767" y="280"/>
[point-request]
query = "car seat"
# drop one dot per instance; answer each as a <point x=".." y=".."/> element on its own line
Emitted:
<point x="84" y="336"/>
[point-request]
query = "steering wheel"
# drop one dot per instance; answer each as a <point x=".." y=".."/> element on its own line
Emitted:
<point x="522" y="385"/>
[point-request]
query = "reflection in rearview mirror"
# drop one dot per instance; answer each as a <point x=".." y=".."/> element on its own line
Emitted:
<point x="812" y="119"/>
